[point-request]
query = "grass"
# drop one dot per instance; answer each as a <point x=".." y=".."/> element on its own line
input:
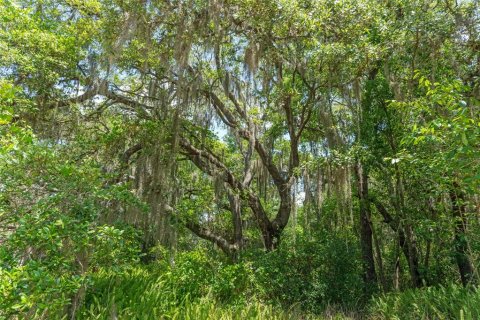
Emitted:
<point x="145" y="294"/>
<point x="442" y="302"/>
<point x="141" y="294"/>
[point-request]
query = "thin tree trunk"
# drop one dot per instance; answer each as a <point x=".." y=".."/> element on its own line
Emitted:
<point x="396" y="278"/>
<point x="368" y="261"/>
<point x="378" y="254"/>
<point x="235" y="205"/>
<point x="410" y="252"/>
<point x="319" y="194"/>
<point x="426" y="262"/>
<point x="410" y="244"/>
<point x="413" y="260"/>
<point x="464" y="264"/>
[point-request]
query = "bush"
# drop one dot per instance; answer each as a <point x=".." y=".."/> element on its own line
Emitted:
<point x="51" y="207"/>
<point x="314" y="273"/>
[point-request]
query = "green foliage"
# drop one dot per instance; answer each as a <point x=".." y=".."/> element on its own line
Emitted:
<point x="115" y="245"/>
<point x="194" y="286"/>
<point x="52" y="206"/>
<point x="238" y="116"/>
<point x="445" y="135"/>
<point x="315" y="273"/>
<point x="449" y="302"/>
<point x="41" y="44"/>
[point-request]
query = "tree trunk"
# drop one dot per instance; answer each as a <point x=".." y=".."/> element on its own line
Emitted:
<point x="235" y="206"/>
<point x="378" y="254"/>
<point x="410" y="252"/>
<point x="396" y="278"/>
<point x="410" y="244"/>
<point x="460" y="245"/>
<point x="368" y="261"/>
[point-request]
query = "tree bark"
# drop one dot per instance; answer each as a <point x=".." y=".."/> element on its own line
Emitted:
<point x="409" y="238"/>
<point x="378" y="253"/>
<point x="411" y="254"/>
<point x="236" y="219"/>
<point x="460" y="244"/>
<point x="204" y="160"/>
<point x="366" y="234"/>
<point x="204" y="233"/>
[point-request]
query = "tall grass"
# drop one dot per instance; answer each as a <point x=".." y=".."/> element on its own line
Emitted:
<point x="149" y="294"/>
<point x="141" y="294"/>
<point x="196" y="289"/>
<point x="449" y="302"/>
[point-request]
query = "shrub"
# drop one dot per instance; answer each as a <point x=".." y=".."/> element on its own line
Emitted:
<point x="314" y="273"/>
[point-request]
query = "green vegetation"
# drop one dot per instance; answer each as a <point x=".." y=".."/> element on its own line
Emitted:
<point x="452" y="302"/>
<point x="239" y="159"/>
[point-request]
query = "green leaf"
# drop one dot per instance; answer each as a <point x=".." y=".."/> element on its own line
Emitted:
<point x="464" y="139"/>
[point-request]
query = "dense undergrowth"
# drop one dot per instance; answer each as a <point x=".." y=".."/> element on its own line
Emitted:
<point x="319" y="279"/>
<point x="142" y="294"/>
<point x="194" y="285"/>
<point x="196" y="288"/>
<point x="196" y="291"/>
<point x="284" y="284"/>
<point x="442" y="302"/>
